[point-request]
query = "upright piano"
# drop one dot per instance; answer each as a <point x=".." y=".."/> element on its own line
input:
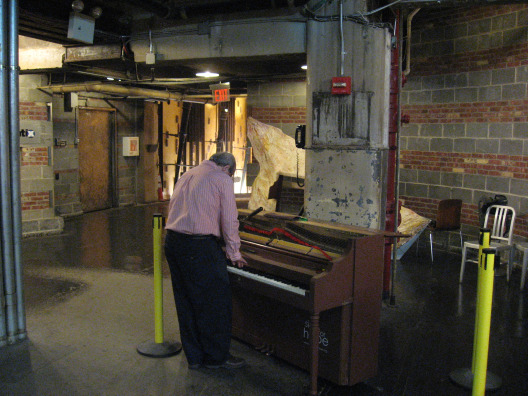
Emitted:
<point x="310" y="294"/>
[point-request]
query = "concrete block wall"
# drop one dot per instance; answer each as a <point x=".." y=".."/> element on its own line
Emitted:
<point x="281" y="104"/>
<point x="66" y="163"/>
<point x="129" y="123"/>
<point x="36" y="159"/>
<point x="466" y="96"/>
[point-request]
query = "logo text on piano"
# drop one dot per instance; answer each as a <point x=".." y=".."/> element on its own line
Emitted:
<point x="323" y="340"/>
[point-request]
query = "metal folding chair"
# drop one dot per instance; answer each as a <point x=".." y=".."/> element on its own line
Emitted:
<point x="500" y="220"/>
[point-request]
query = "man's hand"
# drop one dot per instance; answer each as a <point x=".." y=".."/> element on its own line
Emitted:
<point x="239" y="263"/>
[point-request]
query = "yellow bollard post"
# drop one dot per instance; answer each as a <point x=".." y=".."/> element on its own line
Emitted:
<point x="158" y="348"/>
<point x="466" y="377"/>
<point x="158" y="279"/>
<point x="484" y="241"/>
<point x="487" y="265"/>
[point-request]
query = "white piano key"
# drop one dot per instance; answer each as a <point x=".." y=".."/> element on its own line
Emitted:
<point x="268" y="281"/>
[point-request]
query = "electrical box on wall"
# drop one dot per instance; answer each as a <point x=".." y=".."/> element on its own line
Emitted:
<point x="150" y="58"/>
<point x="71" y="100"/>
<point x="341" y="85"/>
<point x="81" y="28"/>
<point x="131" y="146"/>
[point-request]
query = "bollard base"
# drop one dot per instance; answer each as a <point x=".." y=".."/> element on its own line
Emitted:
<point x="159" y="350"/>
<point x="464" y="378"/>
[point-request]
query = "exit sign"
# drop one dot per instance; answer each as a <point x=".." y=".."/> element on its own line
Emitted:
<point x="220" y="92"/>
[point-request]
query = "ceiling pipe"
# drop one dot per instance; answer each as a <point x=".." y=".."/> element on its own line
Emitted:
<point x="408" y="47"/>
<point x="113" y="89"/>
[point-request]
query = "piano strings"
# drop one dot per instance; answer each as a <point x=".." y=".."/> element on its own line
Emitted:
<point x="277" y="230"/>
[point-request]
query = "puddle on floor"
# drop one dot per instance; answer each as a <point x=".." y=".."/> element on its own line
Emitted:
<point x="40" y="291"/>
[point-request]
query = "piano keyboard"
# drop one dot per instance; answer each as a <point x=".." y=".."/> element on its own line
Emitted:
<point x="267" y="280"/>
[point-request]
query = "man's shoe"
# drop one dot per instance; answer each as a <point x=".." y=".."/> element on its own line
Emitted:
<point x="232" y="362"/>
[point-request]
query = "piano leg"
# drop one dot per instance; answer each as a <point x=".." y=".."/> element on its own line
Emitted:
<point x="314" y="338"/>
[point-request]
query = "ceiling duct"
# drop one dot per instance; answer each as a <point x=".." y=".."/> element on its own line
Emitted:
<point x="153" y="6"/>
<point x="92" y="53"/>
<point x="119" y="90"/>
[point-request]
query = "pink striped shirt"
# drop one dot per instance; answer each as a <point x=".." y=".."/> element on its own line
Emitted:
<point x="203" y="203"/>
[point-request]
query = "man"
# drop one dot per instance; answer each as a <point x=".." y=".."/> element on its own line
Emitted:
<point x="202" y="210"/>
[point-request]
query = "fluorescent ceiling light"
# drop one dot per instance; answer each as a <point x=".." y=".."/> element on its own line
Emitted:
<point x="304" y="67"/>
<point x="207" y="74"/>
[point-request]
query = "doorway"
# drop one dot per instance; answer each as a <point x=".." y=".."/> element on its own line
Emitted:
<point x="96" y="142"/>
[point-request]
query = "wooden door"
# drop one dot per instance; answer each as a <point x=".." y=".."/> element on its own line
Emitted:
<point x="95" y="159"/>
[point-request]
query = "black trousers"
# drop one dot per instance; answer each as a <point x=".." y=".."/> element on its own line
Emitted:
<point x="202" y="294"/>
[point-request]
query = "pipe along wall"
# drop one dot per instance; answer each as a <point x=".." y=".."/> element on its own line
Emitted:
<point x="12" y="315"/>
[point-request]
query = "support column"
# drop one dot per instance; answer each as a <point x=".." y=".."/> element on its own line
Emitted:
<point x="347" y="135"/>
<point x="16" y="205"/>
<point x="5" y="192"/>
<point x="12" y="315"/>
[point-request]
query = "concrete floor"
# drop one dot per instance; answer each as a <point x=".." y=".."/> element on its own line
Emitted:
<point x="89" y="299"/>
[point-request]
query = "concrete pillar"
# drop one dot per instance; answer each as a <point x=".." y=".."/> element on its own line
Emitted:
<point x="347" y="135"/>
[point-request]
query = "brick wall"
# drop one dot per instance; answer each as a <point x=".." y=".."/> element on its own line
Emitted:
<point x="280" y="115"/>
<point x="33" y="111"/>
<point x="467" y="100"/>
<point x="34" y="156"/>
<point x="36" y="159"/>
<point x="36" y="200"/>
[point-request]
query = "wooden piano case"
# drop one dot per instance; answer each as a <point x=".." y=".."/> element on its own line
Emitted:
<point x="349" y="333"/>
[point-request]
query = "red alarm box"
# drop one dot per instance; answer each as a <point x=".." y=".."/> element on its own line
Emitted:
<point x="341" y="85"/>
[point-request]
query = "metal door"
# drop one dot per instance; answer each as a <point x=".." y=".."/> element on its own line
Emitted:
<point x="95" y="130"/>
